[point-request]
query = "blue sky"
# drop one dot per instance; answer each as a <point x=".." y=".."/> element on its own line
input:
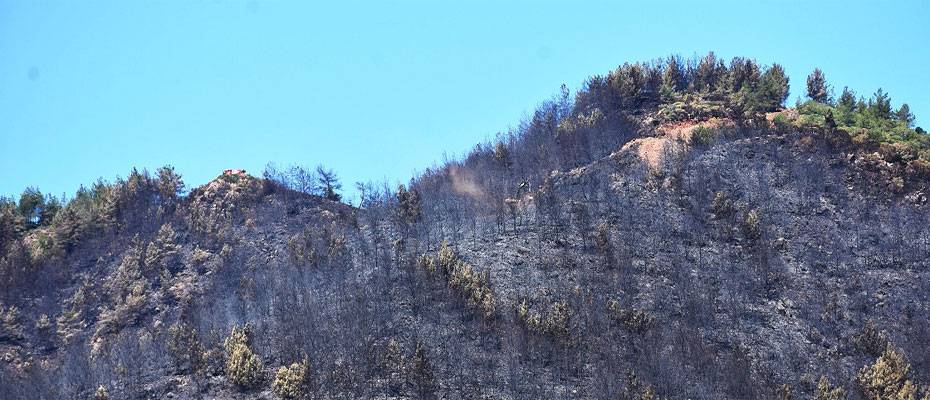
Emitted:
<point x="376" y="89"/>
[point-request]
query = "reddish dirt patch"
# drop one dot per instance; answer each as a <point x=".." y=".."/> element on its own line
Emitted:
<point x="681" y="130"/>
<point x="653" y="150"/>
<point x="791" y="114"/>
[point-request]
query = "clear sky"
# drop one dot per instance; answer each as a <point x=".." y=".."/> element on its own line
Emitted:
<point x="376" y="89"/>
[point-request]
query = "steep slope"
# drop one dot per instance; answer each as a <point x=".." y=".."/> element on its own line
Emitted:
<point x="753" y="256"/>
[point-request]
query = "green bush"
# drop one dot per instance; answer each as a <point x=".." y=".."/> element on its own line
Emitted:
<point x="126" y="310"/>
<point x="871" y="340"/>
<point x="290" y="382"/>
<point x="814" y="114"/>
<point x="634" y="320"/>
<point x="692" y="107"/>
<point x="11" y="327"/>
<point x="315" y="247"/>
<point x="751" y="224"/>
<point x="162" y="253"/>
<point x="703" y="135"/>
<point x="445" y="257"/>
<point x="865" y="122"/>
<point x="474" y="286"/>
<point x="888" y="378"/>
<point x="68" y="325"/>
<point x="825" y="391"/>
<point x="579" y="123"/>
<point x="782" y="124"/>
<point x="243" y="366"/>
<point x="556" y="322"/>
<point x="185" y="348"/>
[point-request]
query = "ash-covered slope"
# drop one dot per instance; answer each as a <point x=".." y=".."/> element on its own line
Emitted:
<point x="613" y="248"/>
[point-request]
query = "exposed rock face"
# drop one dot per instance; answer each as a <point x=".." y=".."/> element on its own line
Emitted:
<point x="698" y="271"/>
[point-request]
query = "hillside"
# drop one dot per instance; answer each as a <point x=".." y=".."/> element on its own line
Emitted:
<point x="670" y="231"/>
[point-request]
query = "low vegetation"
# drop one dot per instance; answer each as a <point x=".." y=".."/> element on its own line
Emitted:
<point x="243" y="367"/>
<point x="634" y="320"/>
<point x="291" y="381"/>
<point x="555" y="321"/>
<point x="871" y="121"/>
<point x="826" y="391"/>
<point x="474" y="287"/>
<point x="889" y="378"/>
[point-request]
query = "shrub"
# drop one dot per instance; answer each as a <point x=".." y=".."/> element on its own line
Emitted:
<point x="602" y="237"/>
<point x="43" y="324"/>
<point x="185" y="347"/>
<point x="897" y="152"/>
<point x="636" y="389"/>
<point x="310" y="249"/>
<point x="69" y="324"/>
<point x="42" y="247"/>
<point x="888" y="378"/>
<point x="703" y="135"/>
<point x="634" y="320"/>
<point x="871" y="340"/>
<point x="200" y="256"/>
<point x="556" y="322"/>
<point x="337" y="242"/>
<point x="427" y="263"/>
<point x="393" y="363"/>
<point x="825" y="391"/>
<point x="226" y="252"/>
<point x="527" y="317"/>
<point x="162" y="253"/>
<point x="301" y="249"/>
<point x="101" y="393"/>
<point x="290" y="382"/>
<point x="243" y="366"/>
<point x="421" y="372"/>
<point x="814" y="115"/>
<point x="784" y="392"/>
<point x="580" y="122"/>
<point x="782" y="124"/>
<point x="126" y="310"/>
<point x="721" y="206"/>
<point x="751" y="224"/>
<point x="10" y="325"/>
<point x="474" y="286"/>
<point x="445" y="257"/>
<point x="691" y="106"/>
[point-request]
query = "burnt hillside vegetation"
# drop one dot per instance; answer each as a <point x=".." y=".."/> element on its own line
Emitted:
<point x="669" y="231"/>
